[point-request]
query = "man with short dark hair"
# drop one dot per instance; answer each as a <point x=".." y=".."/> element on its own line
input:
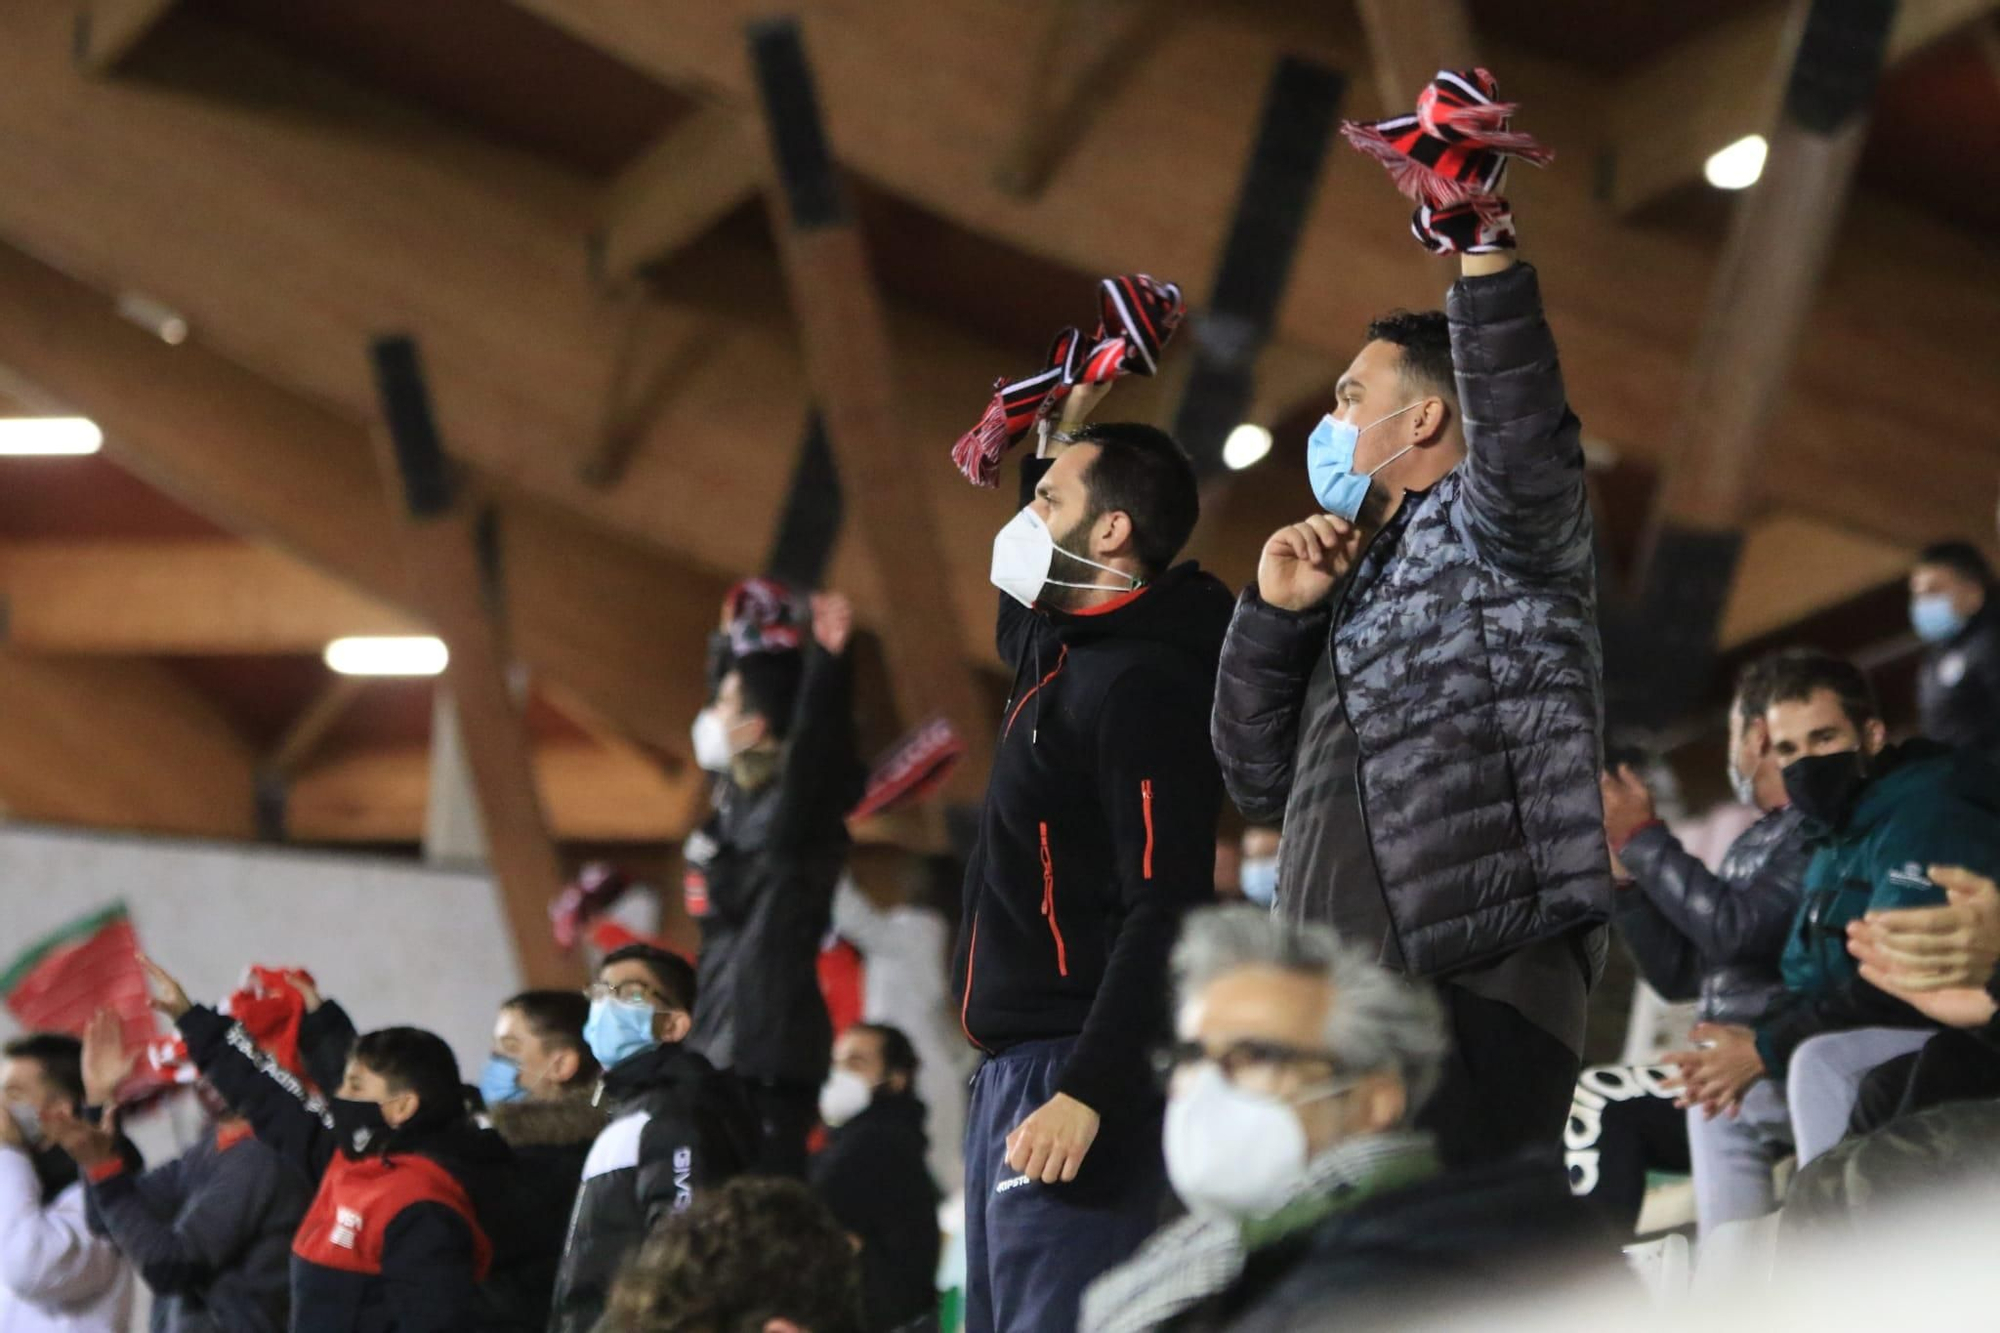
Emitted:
<point x="54" y="1274"/>
<point x="761" y="872"/>
<point x="1881" y="816"/>
<point x="1953" y="611"/>
<point x="757" y="1254"/>
<point x="1414" y="687"/>
<point x="872" y="1175"/>
<point x="1097" y="832"/>
<point x="677" y="1126"/>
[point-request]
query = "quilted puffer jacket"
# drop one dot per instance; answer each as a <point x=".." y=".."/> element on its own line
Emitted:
<point x="1716" y="936"/>
<point x="1466" y="654"/>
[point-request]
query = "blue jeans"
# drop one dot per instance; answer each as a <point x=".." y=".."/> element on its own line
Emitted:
<point x="1030" y="1248"/>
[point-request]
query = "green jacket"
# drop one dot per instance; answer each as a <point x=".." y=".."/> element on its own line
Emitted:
<point x="1925" y="805"/>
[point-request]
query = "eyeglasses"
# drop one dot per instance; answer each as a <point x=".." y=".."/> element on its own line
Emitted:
<point x="627" y="992"/>
<point x="1238" y="1056"/>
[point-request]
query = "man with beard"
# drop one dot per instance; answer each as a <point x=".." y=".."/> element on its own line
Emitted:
<point x="1097" y="832"/>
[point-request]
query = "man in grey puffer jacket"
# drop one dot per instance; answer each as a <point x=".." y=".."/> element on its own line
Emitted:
<point x="1419" y="695"/>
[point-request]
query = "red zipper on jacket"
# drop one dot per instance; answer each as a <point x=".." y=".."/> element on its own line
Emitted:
<point x="1061" y="657"/>
<point x="1146" y="805"/>
<point x="1049" y="904"/>
<point x="965" y="1005"/>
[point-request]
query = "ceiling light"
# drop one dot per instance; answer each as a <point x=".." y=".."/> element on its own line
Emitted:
<point x="156" y="317"/>
<point x="387" y="655"/>
<point x="1738" y="166"/>
<point x="49" y="436"/>
<point x="1247" y="444"/>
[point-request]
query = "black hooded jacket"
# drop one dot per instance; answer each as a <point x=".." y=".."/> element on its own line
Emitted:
<point x="1098" y="829"/>
<point x="872" y="1177"/>
<point x="1958" y="686"/>
<point x="676" y="1126"/>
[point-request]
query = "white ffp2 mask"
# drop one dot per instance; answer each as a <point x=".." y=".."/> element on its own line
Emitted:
<point x="1023" y="552"/>
<point x="844" y="1095"/>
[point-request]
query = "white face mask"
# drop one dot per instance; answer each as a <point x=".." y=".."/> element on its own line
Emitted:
<point x="844" y="1095"/>
<point x="28" y="1120"/>
<point x="1233" y="1153"/>
<point x="1024" y="550"/>
<point x="714" y="744"/>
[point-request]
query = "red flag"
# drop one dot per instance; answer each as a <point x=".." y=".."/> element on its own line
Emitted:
<point x="92" y="963"/>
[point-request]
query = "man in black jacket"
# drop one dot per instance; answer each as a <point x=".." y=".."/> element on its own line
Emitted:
<point x="1696" y="935"/>
<point x="1097" y="832"/>
<point x="872" y="1175"/>
<point x="1953" y="610"/>
<point x="761" y="872"/>
<point x="412" y="1198"/>
<point x="677" y="1126"/>
<point x="1415" y="688"/>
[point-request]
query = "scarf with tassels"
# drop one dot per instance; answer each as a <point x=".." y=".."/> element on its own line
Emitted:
<point x="1137" y="316"/>
<point x="1451" y="158"/>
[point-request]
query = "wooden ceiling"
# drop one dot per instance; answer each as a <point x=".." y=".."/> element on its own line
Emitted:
<point x="297" y="178"/>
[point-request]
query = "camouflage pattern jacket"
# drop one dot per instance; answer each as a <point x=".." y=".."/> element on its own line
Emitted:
<point x="1465" y="653"/>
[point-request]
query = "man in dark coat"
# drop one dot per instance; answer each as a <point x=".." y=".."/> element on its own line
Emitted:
<point x="1953" y="611"/>
<point x="872" y="1175"/>
<point x="761" y="873"/>
<point x="1710" y="937"/>
<point x="1097" y="831"/>
<point x="1417" y="693"/>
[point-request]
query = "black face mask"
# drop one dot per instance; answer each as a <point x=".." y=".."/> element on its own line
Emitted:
<point x="358" y="1126"/>
<point x="1824" y="786"/>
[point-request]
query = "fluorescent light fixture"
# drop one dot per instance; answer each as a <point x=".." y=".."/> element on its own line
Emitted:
<point x="387" y="655"/>
<point x="1738" y="166"/>
<point x="49" y="437"/>
<point x="1247" y="444"/>
<point x="156" y="317"/>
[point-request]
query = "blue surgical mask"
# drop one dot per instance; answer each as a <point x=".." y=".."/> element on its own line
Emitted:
<point x="1259" y="878"/>
<point x="616" y="1031"/>
<point x="1934" y="618"/>
<point x="500" y="1081"/>
<point x="1341" y="490"/>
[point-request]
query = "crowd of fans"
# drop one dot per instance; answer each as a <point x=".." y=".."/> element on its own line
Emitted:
<point x="1351" y="1088"/>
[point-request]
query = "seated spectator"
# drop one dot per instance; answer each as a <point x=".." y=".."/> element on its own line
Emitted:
<point x="54" y="1274"/>
<point x="677" y="1126"/>
<point x="538" y="1087"/>
<point x="1715" y="938"/>
<point x="412" y="1199"/>
<point x="755" y="1256"/>
<point x="1954" y="613"/>
<point x="211" y="1231"/>
<point x="871" y="1174"/>
<point x="1879" y="814"/>
<point x="1312" y="1201"/>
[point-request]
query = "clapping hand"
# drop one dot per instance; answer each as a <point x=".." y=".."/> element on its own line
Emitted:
<point x="88" y="1145"/>
<point x="106" y="1062"/>
<point x="833" y="621"/>
<point x="167" y="995"/>
<point x="1952" y="947"/>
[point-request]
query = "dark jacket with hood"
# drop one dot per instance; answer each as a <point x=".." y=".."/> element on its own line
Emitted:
<point x="399" y="1236"/>
<point x="1958" y="687"/>
<point x="1923" y="805"/>
<point x="1465" y="653"/>
<point x="1716" y="937"/>
<point x="676" y="1126"/>
<point x="210" y="1232"/>
<point x="760" y="880"/>
<point x="873" y="1179"/>
<point x="551" y="1141"/>
<point x="1098" y="829"/>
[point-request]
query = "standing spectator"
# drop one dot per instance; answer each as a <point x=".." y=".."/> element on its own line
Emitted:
<point x="55" y="1276"/>
<point x="1880" y="816"/>
<point x="1097" y="832"/>
<point x="906" y="949"/>
<point x="1313" y="1202"/>
<point x="211" y="1231"/>
<point x="1953" y="611"/>
<point x="872" y="1175"/>
<point x="1257" y="872"/>
<point x="1710" y="937"/>
<point x="761" y="873"/>
<point x="538" y="1086"/>
<point x="1414" y="684"/>
<point x="755" y="1254"/>
<point x="677" y="1126"/>
<point x="412" y="1200"/>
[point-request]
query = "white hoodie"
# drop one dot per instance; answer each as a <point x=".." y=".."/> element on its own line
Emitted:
<point x="55" y="1277"/>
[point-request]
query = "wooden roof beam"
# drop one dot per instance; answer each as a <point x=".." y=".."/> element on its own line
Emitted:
<point x="703" y="168"/>
<point x="1409" y="41"/>
<point x="107" y="31"/>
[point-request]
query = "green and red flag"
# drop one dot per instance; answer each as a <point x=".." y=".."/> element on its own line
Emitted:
<point x="91" y="963"/>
